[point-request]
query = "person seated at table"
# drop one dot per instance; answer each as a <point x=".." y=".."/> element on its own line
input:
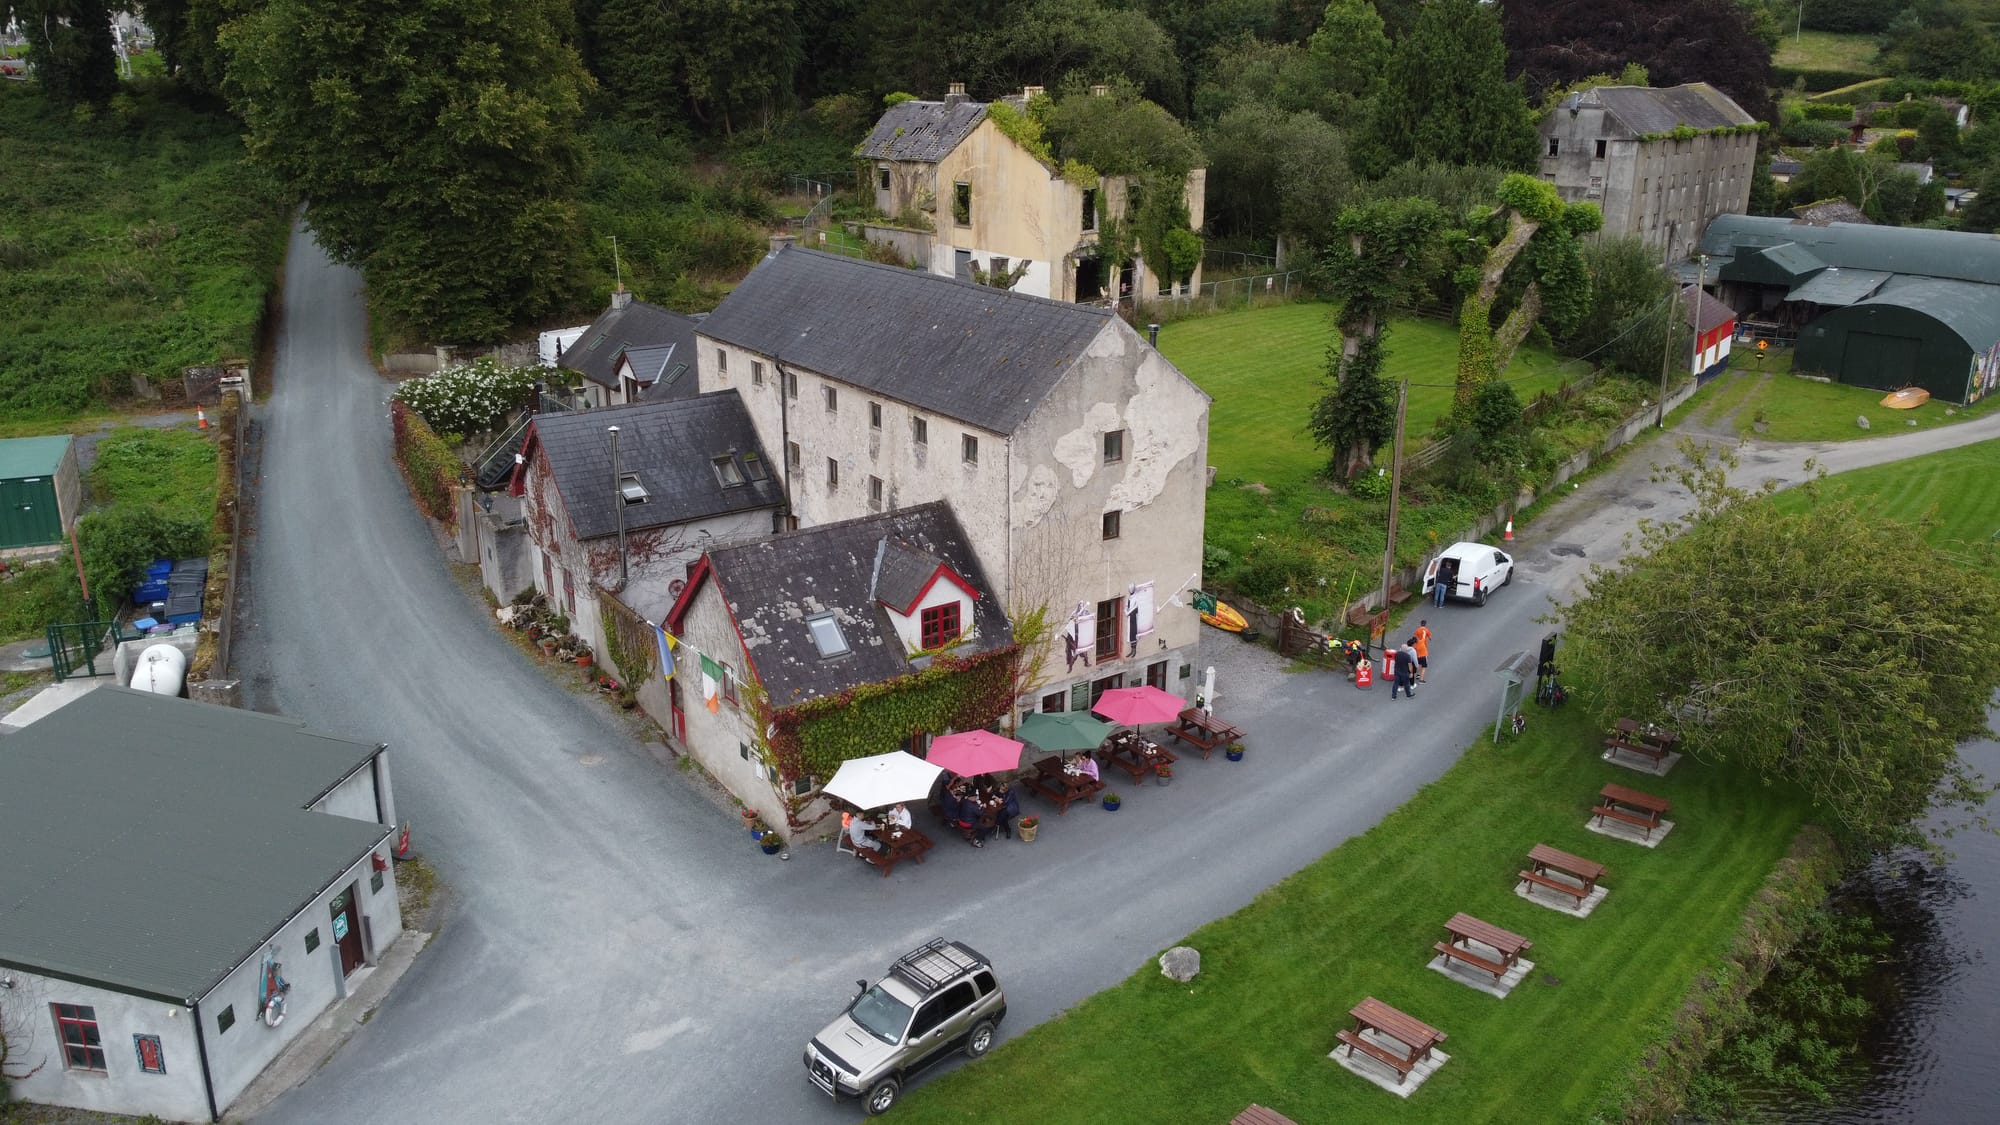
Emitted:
<point x="858" y="831"/>
<point x="1082" y="765"/>
<point x="964" y="812"/>
<point x="899" y="816"/>
<point x="1010" y="807"/>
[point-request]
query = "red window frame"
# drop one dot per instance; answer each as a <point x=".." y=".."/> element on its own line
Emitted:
<point x="77" y="1031"/>
<point x="940" y="625"/>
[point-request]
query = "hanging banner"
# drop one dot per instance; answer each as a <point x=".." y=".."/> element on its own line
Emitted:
<point x="667" y="644"/>
<point x="711" y="683"/>
<point x="1142" y="609"/>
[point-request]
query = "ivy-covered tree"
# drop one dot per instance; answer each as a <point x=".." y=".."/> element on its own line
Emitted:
<point x="1379" y="252"/>
<point x="1777" y="640"/>
<point x="1534" y="273"/>
<point x="433" y="142"/>
<point x="1446" y="96"/>
<point x="70" y="46"/>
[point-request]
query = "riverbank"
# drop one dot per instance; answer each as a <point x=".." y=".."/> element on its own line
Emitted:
<point x="1278" y="976"/>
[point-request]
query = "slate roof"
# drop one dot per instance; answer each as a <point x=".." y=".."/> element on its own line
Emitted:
<point x="773" y="585"/>
<point x="1957" y="255"/>
<point x="638" y="325"/>
<point x="921" y="131"/>
<point x="670" y="446"/>
<point x="1714" y="313"/>
<point x="903" y="574"/>
<point x="152" y="844"/>
<point x="1647" y="109"/>
<point x="971" y="352"/>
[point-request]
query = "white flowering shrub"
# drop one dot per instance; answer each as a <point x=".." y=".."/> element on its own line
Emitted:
<point x="471" y="398"/>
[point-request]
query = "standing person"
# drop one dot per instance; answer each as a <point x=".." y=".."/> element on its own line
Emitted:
<point x="1404" y="661"/>
<point x="1423" y="642"/>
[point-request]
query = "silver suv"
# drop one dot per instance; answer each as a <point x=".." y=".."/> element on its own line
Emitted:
<point x="936" y="999"/>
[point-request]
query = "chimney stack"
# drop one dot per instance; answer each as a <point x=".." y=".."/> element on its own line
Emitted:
<point x="780" y="241"/>
<point x="1099" y="90"/>
<point x="1030" y="93"/>
<point x="620" y="297"/>
<point x="954" y="94"/>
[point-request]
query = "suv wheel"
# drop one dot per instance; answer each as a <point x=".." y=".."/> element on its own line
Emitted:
<point x="882" y="1096"/>
<point x="981" y="1039"/>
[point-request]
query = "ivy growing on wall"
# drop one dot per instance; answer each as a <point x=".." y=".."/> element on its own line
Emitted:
<point x="811" y="739"/>
<point x="1025" y="129"/>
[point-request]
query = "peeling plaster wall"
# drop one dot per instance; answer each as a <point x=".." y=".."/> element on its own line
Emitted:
<point x="716" y="739"/>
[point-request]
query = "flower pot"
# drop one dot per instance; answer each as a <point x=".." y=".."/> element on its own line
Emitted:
<point x="1027" y="832"/>
<point x="1111" y="805"/>
<point x="548" y="646"/>
<point x="771" y="843"/>
<point x="1163" y="779"/>
<point x="585" y="659"/>
<point x="1235" y="755"/>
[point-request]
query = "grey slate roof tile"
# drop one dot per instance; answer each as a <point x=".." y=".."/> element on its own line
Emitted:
<point x="670" y="446"/>
<point x="902" y="573"/>
<point x="773" y="585"/>
<point x="921" y="131"/>
<point x="1647" y="109"/>
<point x="967" y="351"/>
<point x="152" y="844"/>
<point x="637" y="325"/>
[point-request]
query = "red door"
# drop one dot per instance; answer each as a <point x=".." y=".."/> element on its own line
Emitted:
<point x="347" y="930"/>
<point x="680" y="716"/>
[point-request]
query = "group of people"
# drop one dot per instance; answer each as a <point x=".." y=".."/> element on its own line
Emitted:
<point x="861" y="831"/>
<point x="980" y="807"/>
<point x="1411" y="663"/>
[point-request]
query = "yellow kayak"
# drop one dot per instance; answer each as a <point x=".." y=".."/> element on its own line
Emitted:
<point x="1225" y="619"/>
<point x="1909" y="398"/>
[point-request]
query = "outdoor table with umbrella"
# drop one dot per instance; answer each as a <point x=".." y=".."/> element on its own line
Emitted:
<point x="880" y="781"/>
<point x="970" y="754"/>
<point x="1135" y="707"/>
<point x="1063" y="732"/>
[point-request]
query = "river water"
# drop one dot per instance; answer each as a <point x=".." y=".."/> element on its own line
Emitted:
<point x="1937" y="1043"/>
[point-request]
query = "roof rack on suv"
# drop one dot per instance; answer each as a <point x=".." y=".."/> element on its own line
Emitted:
<point x="935" y="964"/>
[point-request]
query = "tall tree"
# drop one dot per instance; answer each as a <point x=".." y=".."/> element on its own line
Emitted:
<point x="433" y="142"/>
<point x="1446" y="96"/>
<point x="724" y="65"/>
<point x="1629" y="297"/>
<point x="1354" y="50"/>
<point x="1041" y="42"/>
<point x="1552" y="43"/>
<point x="1533" y="274"/>
<point x="70" y="46"/>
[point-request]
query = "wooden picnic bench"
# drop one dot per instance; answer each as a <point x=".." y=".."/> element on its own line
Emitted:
<point x="1662" y="740"/>
<point x="1416" y="1036"/>
<point x="1617" y="744"/>
<point x="897" y="846"/>
<point x="1641" y="810"/>
<point x="1464" y="929"/>
<point x="1051" y="782"/>
<point x="1204" y="731"/>
<point x="1543" y="859"/>
<point x="1133" y="756"/>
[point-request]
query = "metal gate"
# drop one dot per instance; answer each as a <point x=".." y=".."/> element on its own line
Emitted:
<point x="83" y="648"/>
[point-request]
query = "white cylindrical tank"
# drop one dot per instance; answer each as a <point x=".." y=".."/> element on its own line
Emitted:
<point x="160" y="670"/>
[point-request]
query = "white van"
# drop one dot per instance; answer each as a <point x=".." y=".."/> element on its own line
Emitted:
<point x="1469" y="571"/>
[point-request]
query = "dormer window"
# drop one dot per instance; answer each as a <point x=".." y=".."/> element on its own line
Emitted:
<point x="726" y="471"/>
<point x="940" y="625"/>
<point x="631" y="491"/>
<point x="827" y="636"/>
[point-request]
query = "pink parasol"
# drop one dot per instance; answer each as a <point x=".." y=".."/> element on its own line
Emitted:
<point x="973" y="752"/>
<point x="1137" y="706"/>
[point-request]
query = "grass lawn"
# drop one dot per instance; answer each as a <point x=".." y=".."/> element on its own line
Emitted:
<point x="1827" y="50"/>
<point x="1949" y="487"/>
<point x="1805" y="410"/>
<point x="1278" y="976"/>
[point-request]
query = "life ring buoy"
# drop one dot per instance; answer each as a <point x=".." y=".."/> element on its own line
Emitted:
<point x="274" y="1011"/>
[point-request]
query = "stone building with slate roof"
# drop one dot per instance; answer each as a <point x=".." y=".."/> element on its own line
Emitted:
<point x="812" y="613"/>
<point x="634" y="352"/>
<point x="1073" y="455"/>
<point x="994" y="206"/>
<point x="691" y="475"/>
<point x="165" y="861"/>
<point x="1612" y="146"/>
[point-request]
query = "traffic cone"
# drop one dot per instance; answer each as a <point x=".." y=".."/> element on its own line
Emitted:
<point x="1509" y="537"/>
<point x="200" y="418"/>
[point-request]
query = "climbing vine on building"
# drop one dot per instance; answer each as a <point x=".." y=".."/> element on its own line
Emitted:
<point x="811" y="739"/>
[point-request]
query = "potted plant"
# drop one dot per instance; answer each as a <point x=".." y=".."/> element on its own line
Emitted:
<point x="1164" y="773"/>
<point x="750" y="820"/>
<point x="1235" y="751"/>
<point x="1026" y="827"/>
<point x="771" y="844"/>
<point x="585" y="658"/>
<point x="548" y="644"/>
<point x="1112" y="801"/>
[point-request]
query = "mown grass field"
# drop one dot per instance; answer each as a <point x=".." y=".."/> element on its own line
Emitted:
<point x="1827" y="50"/>
<point x="1278" y="977"/>
<point x="1950" y="491"/>
<point x="1794" y="409"/>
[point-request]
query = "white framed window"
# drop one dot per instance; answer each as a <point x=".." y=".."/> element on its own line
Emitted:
<point x="969" y="449"/>
<point x="826" y="635"/>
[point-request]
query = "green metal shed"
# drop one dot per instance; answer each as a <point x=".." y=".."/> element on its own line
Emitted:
<point x="1922" y="332"/>
<point x="40" y="490"/>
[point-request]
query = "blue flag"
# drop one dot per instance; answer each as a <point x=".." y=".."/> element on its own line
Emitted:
<point x="667" y="645"/>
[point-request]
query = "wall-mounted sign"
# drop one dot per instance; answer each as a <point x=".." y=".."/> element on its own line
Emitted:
<point x="339" y="926"/>
<point x="152" y="1059"/>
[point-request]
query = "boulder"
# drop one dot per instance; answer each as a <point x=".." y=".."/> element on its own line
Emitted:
<point x="1861" y="421"/>
<point x="1180" y="963"/>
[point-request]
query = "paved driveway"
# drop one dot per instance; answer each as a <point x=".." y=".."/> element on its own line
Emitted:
<point x="619" y="952"/>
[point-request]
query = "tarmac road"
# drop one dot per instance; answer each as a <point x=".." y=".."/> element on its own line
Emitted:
<point x="618" y="950"/>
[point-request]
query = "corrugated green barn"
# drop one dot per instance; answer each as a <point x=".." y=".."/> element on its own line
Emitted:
<point x="39" y="490"/>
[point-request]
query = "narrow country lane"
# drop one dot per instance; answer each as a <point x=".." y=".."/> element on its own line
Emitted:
<point x="617" y="950"/>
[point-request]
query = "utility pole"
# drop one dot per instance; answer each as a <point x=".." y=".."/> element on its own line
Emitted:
<point x="1395" y="497"/>
<point x="618" y="502"/>
<point x="1667" y="344"/>
<point x="1700" y="279"/>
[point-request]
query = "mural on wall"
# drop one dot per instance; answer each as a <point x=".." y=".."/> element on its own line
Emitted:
<point x="152" y="1059"/>
<point x="1985" y="374"/>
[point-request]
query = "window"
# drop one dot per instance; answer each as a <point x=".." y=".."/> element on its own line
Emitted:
<point x="76" y="1030"/>
<point x="826" y="635"/>
<point x="754" y="466"/>
<point x="920" y="431"/>
<point x="832" y="474"/>
<point x="802" y="785"/>
<point x="729" y="683"/>
<point x="756" y="373"/>
<point x="997" y="268"/>
<point x="970" y="450"/>
<point x="1114" y="447"/>
<point x="1156" y="675"/>
<point x="1053" y="702"/>
<point x="226" y="1019"/>
<point x="312" y="940"/>
<point x="1079" y="696"/>
<point x="792" y="456"/>
<point x="1555" y="144"/>
<point x="569" y="594"/>
<point x="874" y="415"/>
<point x="791" y="384"/>
<point x="1110" y="628"/>
<point x="722" y="363"/>
<point x="832" y="400"/>
<point x="940" y="625"/>
<point x="1090" y="209"/>
<point x="1600" y="148"/>
<point x="961" y="204"/>
<point x="935" y="1014"/>
<point x="375" y="882"/>
<point x="875" y="494"/>
<point x="882" y="176"/>
<point x="630" y="491"/>
<point x="1111" y="525"/>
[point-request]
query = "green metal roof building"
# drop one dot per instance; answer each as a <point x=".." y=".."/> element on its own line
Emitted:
<point x="40" y="490"/>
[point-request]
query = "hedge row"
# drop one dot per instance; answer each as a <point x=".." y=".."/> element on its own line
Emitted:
<point x="428" y="464"/>
<point x="1816" y="79"/>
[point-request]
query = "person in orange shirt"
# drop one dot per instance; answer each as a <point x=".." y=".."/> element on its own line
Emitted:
<point x="1423" y="643"/>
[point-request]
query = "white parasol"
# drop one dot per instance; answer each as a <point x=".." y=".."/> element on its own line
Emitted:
<point x="885" y="779"/>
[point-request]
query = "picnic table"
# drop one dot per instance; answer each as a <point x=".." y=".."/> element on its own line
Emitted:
<point x="1650" y="735"/>
<point x="1542" y="860"/>
<point x="1051" y="782"/>
<point x="1641" y="810"/>
<point x="1138" y="756"/>
<point x="1464" y="929"/>
<point x="1204" y="731"/>
<point x="1416" y="1036"/>
<point x="898" y="844"/>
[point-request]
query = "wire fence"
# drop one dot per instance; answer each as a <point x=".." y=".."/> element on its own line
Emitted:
<point x="1232" y="292"/>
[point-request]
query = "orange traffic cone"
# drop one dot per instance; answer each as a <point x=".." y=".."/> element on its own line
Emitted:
<point x="200" y="418"/>
<point x="1509" y="537"/>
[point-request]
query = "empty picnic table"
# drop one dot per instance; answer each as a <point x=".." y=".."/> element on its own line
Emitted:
<point x="1416" y="1036"/>
<point x="1464" y="929"/>
<point x="898" y="844"/>
<point x="1641" y="810"/>
<point x="1138" y="757"/>
<point x="1543" y="859"/>
<point x="1204" y="731"/>
<point x="1051" y="782"/>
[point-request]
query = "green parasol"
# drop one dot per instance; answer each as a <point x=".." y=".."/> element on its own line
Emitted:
<point x="1064" y="731"/>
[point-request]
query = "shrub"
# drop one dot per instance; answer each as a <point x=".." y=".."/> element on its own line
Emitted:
<point x="1816" y="79"/>
<point x="34" y="597"/>
<point x="471" y="398"/>
<point x="427" y="462"/>
<point x="119" y="541"/>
